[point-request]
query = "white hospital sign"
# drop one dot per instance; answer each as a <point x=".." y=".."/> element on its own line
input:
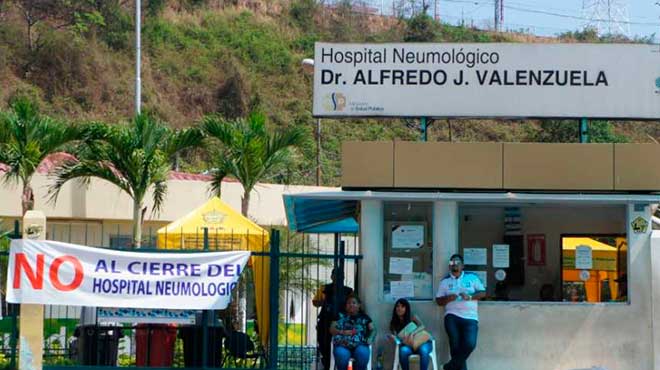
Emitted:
<point x="487" y="80"/>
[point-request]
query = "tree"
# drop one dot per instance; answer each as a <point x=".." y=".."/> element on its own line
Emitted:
<point x="26" y="139"/>
<point x="566" y="131"/>
<point x="249" y="153"/>
<point x="5" y="242"/>
<point x="59" y="13"/>
<point x="134" y="157"/>
<point x="420" y="28"/>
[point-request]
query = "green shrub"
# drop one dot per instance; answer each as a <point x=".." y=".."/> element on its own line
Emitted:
<point x="463" y="34"/>
<point x="302" y="13"/>
<point x="305" y="43"/>
<point x="118" y="30"/>
<point x="259" y="45"/>
<point x="4" y="237"/>
<point x="420" y="28"/>
<point x="62" y="65"/>
<point x="155" y="7"/>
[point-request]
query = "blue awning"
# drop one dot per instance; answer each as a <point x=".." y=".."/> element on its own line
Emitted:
<point x="312" y="215"/>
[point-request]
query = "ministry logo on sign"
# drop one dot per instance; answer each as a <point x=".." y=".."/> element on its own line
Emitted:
<point x="335" y="102"/>
<point x="657" y="85"/>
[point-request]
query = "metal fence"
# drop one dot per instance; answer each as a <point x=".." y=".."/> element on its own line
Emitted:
<point x="298" y="265"/>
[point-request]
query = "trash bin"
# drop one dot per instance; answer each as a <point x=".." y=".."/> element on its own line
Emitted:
<point x="193" y="346"/>
<point x="97" y="345"/>
<point x="154" y="345"/>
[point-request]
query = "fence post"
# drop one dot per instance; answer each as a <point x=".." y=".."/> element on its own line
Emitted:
<point x="205" y="315"/>
<point x="274" y="298"/>
<point x="31" y="320"/>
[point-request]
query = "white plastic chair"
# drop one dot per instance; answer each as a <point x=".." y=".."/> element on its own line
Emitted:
<point x="332" y="356"/>
<point x="396" y="365"/>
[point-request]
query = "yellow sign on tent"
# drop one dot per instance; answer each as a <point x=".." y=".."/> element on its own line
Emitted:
<point x="227" y="230"/>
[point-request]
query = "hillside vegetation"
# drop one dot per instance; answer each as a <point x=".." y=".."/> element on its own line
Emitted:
<point x="75" y="59"/>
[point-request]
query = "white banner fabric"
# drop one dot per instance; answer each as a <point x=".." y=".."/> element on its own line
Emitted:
<point x="48" y="272"/>
<point x="487" y="80"/>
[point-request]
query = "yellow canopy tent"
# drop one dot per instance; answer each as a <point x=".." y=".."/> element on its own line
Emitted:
<point x="570" y="243"/>
<point x="227" y="230"/>
<point x="604" y="257"/>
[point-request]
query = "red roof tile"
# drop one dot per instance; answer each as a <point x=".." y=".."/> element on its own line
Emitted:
<point x="56" y="159"/>
<point x="176" y="175"/>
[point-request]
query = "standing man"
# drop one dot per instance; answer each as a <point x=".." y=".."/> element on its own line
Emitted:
<point x="458" y="294"/>
<point x="331" y="298"/>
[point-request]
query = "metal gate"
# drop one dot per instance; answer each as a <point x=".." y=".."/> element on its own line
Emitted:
<point x="299" y="265"/>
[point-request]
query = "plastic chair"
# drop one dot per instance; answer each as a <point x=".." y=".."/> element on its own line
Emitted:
<point x="332" y="356"/>
<point x="396" y="365"/>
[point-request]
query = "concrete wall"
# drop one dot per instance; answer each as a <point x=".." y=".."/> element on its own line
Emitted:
<point x="104" y="201"/>
<point x="534" y="335"/>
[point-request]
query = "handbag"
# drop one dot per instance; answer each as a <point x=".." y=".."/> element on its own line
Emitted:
<point x="419" y="338"/>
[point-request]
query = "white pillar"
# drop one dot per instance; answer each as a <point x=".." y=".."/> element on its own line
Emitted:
<point x="31" y="334"/>
<point x="655" y="298"/>
<point x="633" y="275"/>
<point x="639" y="269"/>
<point x="371" y="247"/>
<point x="445" y="238"/>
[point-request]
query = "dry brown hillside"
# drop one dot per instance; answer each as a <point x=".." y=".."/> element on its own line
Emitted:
<point x="229" y="58"/>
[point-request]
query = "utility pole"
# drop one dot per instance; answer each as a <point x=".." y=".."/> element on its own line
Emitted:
<point x="496" y="19"/>
<point x="308" y="67"/>
<point x="499" y="15"/>
<point x="138" y="57"/>
<point x="318" y="152"/>
<point x="606" y="16"/>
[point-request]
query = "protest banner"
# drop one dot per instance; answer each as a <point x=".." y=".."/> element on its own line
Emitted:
<point x="48" y="272"/>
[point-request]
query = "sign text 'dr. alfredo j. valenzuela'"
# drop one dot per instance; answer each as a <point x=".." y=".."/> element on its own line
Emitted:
<point x="486" y="80"/>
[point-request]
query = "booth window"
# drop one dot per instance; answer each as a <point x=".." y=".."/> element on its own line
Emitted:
<point x="408" y="250"/>
<point x="594" y="268"/>
<point x="527" y="252"/>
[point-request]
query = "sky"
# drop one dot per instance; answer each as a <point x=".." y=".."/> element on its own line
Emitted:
<point x="548" y="17"/>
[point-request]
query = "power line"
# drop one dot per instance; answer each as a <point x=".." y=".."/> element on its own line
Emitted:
<point x="577" y="17"/>
<point x="547" y="12"/>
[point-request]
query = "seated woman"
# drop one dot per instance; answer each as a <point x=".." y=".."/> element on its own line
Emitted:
<point x="352" y="333"/>
<point x="401" y="317"/>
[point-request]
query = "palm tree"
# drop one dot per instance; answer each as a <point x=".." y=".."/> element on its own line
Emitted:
<point x="26" y="139"/>
<point x="249" y="153"/>
<point x="134" y="157"/>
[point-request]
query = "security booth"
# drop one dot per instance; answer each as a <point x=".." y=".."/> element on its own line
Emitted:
<point x="560" y="234"/>
<point x="563" y="246"/>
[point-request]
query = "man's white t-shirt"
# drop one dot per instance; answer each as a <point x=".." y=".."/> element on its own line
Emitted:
<point x="467" y="283"/>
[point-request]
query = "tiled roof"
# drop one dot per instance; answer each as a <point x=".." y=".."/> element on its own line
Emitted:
<point x="48" y="164"/>
<point x="55" y="159"/>
<point x="176" y="175"/>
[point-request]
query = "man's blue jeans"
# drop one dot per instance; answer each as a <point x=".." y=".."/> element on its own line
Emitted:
<point x="462" y="335"/>
<point x="360" y="354"/>
<point x="424" y="352"/>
